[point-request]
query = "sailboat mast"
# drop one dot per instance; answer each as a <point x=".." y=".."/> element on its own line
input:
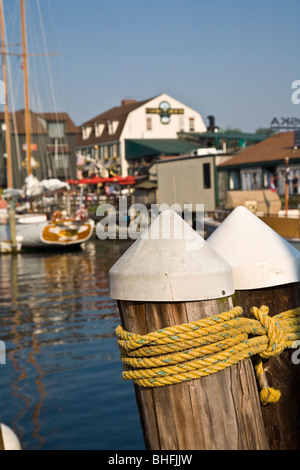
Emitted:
<point x="11" y="211"/>
<point x="25" y="66"/>
<point x="6" y="114"/>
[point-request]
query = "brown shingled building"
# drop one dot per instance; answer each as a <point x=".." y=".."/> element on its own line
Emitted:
<point x="262" y="165"/>
<point x="53" y="143"/>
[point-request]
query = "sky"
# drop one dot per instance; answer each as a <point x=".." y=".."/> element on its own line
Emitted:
<point x="234" y="59"/>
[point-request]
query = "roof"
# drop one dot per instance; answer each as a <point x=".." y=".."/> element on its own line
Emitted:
<point x="18" y="125"/>
<point x="117" y="113"/>
<point x="137" y="148"/>
<point x="36" y="125"/>
<point x="229" y="135"/>
<point x="232" y="139"/>
<point x="273" y="149"/>
<point x="146" y="185"/>
<point x="71" y="128"/>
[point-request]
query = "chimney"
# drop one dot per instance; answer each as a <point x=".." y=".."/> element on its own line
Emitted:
<point x="126" y="102"/>
<point x="212" y="127"/>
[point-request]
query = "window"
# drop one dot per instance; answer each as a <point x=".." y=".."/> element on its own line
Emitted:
<point x="112" y="126"/>
<point x="294" y="182"/>
<point x="56" y="130"/>
<point x="149" y="124"/>
<point x="106" y="152"/>
<point x="251" y="179"/>
<point x="181" y="123"/>
<point x="292" y="177"/>
<point x="61" y="162"/>
<point x="234" y="180"/>
<point x="86" y="131"/>
<point x="115" y="150"/>
<point x="206" y="176"/>
<point x="191" y="124"/>
<point x="98" y="129"/>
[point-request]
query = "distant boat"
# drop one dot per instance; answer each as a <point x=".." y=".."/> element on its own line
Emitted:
<point x="35" y="231"/>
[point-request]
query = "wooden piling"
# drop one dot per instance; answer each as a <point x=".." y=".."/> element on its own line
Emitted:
<point x="281" y="419"/>
<point x="252" y="248"/>
<point x="1" y="439"/>
<point x="164" y="282"/>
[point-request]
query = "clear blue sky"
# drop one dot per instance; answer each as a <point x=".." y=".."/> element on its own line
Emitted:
<point x="235" y="59"/>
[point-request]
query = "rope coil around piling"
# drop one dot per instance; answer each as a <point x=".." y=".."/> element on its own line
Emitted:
<point x="197" y="349"/>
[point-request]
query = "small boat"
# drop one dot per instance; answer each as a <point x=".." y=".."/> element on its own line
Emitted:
<point x="35" y="231"/>
<point x="212" y="220"/>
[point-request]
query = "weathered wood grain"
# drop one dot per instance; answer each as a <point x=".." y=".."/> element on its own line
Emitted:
<point x="281" y="419"/>
<point x="220" y="412"/>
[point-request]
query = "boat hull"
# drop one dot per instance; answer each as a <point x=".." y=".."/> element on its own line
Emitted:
<point x="46" y="235"/>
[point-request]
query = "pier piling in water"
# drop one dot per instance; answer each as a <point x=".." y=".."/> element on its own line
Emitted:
<point x="171" y="276"/>
<point x="266" y="271"/>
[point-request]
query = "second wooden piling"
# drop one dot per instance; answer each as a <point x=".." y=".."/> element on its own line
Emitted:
<point x="266" y="271"/>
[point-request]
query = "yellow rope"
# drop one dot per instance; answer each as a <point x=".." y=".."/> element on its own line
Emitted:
<point x="197" y="349"/>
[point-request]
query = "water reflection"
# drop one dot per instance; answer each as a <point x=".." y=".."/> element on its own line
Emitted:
<point x="58" y="322"/>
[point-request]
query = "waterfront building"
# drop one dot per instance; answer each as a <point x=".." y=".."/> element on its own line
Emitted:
<point x="131" y="135"/>
<point x="264" y="166"/>
<point x="199" y="178"/>
<point x="53" y="145"/>
<point x="187" y="180"/>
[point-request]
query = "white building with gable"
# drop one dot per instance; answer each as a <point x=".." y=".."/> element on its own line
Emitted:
<point x="135" y="133"/>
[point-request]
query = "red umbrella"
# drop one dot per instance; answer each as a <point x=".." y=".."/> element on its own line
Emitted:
<point x="127" y="180"/>
<point x="112" y="179"/>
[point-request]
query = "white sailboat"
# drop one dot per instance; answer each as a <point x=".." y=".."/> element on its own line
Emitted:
<point x="33" y="230"/>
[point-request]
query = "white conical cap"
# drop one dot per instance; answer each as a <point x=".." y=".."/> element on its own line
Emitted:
<point x="258" y="255"/>
<point x="10" y="439"/>
<point x="170" y="262"/>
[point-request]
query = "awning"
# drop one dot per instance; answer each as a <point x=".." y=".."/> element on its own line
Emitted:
<point x="138" y="148"/>
<point x="114" y="179"/>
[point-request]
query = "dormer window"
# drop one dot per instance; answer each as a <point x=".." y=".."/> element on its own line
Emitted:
<point x="86" y="132"/>
<point x="98" y="128"/>
<point x="112" y="126"/>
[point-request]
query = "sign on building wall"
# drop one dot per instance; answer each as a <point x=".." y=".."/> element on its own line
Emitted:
<point x="164" y="111"/>
<point x="32" y="146"/>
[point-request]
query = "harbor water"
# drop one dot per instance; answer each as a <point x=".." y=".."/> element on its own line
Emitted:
<point x="61" y="385"/>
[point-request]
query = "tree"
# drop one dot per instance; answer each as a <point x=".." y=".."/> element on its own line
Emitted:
<point x="265" y="130"/>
